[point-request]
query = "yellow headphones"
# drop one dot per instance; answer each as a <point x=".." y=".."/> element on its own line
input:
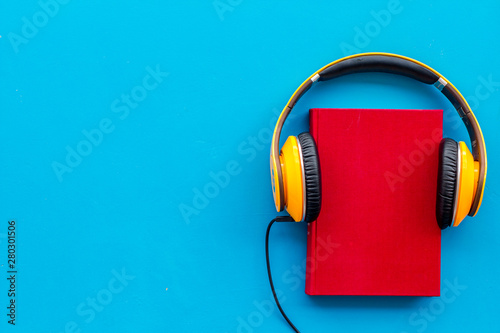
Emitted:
<point x="295" y="170"/>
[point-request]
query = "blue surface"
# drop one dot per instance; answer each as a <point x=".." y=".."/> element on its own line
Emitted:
<point x="118" y="210"/>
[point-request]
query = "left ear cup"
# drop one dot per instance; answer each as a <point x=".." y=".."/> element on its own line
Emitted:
<point x="312" y="176"/>
<point x="292" y="175"/>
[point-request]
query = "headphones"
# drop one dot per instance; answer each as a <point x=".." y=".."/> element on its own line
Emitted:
<point x="296" y="173"/>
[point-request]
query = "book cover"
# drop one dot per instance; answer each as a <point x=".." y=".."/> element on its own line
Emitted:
<point x="377" y="233"/>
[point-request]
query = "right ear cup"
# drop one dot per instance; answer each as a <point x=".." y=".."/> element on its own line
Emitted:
<point x="312" y="176"/>
<point x="447" y="182"/>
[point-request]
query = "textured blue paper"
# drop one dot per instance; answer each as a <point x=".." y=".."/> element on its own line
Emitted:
<point x="119" y="240"/>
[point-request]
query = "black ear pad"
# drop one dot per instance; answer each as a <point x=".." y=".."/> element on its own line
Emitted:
<point x="447" y="180"/>
<point x="312" y="173"/>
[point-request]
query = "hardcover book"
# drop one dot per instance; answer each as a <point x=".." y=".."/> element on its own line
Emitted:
<point x="379" y="178"/>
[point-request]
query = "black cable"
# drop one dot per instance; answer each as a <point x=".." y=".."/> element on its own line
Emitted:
<point x="277" y="219"/>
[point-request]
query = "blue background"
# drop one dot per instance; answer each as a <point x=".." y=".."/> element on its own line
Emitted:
<point x="231" y="66"/>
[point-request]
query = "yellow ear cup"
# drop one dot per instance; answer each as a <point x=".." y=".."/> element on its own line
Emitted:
<point x="467" y="183"/>
<point x="278" y="200"/>
<point x="293" y="180"/>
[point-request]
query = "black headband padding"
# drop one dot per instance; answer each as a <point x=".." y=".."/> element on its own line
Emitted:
<point x="461" y="106"/>
<point x="447" y="180"/>
<point x="379" y="63"/>
<point x="312" y="173"/>
<point x="454" y="97"/>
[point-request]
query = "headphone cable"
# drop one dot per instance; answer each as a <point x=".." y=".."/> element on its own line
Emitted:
<point x="277" y="219"/>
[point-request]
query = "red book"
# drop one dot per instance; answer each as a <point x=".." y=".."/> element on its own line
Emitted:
<point x="377" y="232"/>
